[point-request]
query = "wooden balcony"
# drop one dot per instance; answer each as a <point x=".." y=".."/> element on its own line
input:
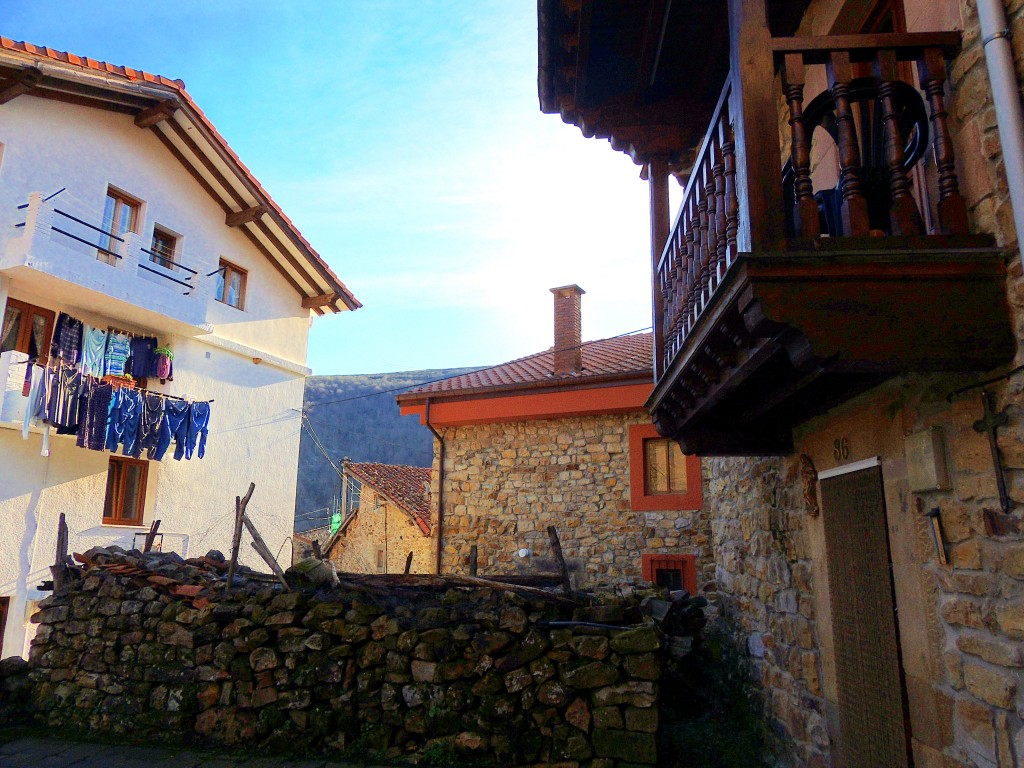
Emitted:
<point x="785" y="289"/>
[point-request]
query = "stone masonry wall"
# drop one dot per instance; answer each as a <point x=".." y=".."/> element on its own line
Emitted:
<point x="387" y="527"/>
<point x="506" y="483"/>
<point x="764" y="580"/>
<point x="383" y="672"/>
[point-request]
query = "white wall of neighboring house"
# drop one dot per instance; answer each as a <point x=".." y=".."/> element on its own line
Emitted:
<point x="251" y="362"/>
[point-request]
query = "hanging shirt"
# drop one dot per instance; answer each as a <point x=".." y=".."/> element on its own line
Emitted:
<point x="67" y="339"/>
<point x="143" y="360"/>
<point x="94" y="347"/>
<point x="119" y="349"/>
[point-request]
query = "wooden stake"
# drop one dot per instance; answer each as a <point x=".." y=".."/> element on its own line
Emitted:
<point x="236" y="539"/>
<point x="556" y="547"/>
<point x="60" y="563"/>
<point x="472" y="560"/>
<point x="151" y="536"/>
<point x="408" y="562"/>
<point x="264" y="551"/>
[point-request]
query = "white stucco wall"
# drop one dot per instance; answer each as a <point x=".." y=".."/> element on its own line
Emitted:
<point x="255" y="424"/>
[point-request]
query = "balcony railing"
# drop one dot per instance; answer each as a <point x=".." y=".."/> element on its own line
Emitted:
<point x="59" y="239"/>
<point x="883" y="106"/>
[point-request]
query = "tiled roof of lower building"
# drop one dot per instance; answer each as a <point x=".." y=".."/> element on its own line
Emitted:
<point x="408" y="487"/>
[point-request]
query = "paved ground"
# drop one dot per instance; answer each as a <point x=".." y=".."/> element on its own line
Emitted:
<point x="36" y="752"/>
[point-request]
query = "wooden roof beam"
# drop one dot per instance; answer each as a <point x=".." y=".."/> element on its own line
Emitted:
<point x="323" y="300"/>
<point x="23" y="82"/>
<point x="245" y="216"/>
<point x="159" y="112"/>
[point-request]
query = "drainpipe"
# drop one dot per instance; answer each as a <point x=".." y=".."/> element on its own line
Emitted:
<point x="440" y="485"/>
<point x="995" y="35"/>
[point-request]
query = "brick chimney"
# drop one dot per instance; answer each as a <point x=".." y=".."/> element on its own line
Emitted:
<point x="568" y="330"/>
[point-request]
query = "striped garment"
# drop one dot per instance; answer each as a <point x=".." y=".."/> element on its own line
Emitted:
<point x="119" y="349"/>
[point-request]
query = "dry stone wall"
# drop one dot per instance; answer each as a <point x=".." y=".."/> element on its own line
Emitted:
<point x="390" y="672"/>
<point x="506" y="483"/>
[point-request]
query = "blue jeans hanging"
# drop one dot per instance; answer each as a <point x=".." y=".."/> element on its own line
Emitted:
<point x="174" y="424"/>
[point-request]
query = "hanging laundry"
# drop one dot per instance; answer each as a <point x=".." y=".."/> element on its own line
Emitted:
<point x="142" y="362"/>
<point x="119" y="349"/>
<point x="94" y="347"/>
<point x="63" y="400"/>
<point x="174" y="425"/>
<point x="164" y="365"/>
<point x="94" y="412"/>
<point x="123" y="423"/>
<point x="198" y="426"/>
<point x="67" y="339"/>
<point x="149" y="424"/>
<point x="35" y="409"/>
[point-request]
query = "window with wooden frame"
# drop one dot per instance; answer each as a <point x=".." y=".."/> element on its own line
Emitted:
<point x="126" y="491"/>
<point x="381" y="567"/>
<point x="120" y="215"/>
<point x="661" y="476"/>
<point x="231" y="285"/>
<point x="27" y="328"/>
<point x="164" y="248"/>
<point x="670" y="571"/>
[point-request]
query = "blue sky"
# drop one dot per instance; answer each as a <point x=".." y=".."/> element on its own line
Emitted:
<point x="405" y="140"/>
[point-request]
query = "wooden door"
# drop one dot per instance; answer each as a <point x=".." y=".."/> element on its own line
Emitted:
<point x="872" y="700"/>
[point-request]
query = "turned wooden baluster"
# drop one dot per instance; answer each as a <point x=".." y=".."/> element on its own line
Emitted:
<point x="691" y="265"/>
<point x="704" y="254"/>
<point x="718" y="170"/>
<point x="855" y="207"/>
<point x="732" y="203"/>
<point x="711" y="278"/>
<point x="805" y="208"/>
<point x="931" y="70"/>
<point x="904" y="218"/>
<point x="698" y="257"/>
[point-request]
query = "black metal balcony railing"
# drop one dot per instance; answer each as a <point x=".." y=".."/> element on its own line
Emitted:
<point x="884" y="107"/>
<point x="109" y="237"/>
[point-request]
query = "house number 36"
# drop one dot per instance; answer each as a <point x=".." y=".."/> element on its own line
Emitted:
<point x="841" y="449"/>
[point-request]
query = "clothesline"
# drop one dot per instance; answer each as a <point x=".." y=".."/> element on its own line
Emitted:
<point x="57" y="362"/>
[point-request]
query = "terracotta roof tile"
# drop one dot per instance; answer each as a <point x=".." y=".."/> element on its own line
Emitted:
<point x="406" y="486"/>
<point x="623" y="355"/>
<point x="179" y="85"/>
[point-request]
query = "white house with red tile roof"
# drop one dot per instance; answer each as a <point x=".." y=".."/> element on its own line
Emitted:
<point x="562" y="438"/>
<point x="391" y="518"/>
<point x="123" y="207"/>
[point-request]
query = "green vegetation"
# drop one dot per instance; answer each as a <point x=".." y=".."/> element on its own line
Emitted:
<point x="358" y="419"/>
<point x="709" y="712"/>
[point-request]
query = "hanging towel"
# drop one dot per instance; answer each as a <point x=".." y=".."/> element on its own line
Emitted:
<point x="94" y="347"/>
<point x="119" y="349"/>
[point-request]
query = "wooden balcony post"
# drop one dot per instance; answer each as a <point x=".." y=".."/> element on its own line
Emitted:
<point x="761" y="221"/>
<point x="855" y="205"/>
<point x="904" y="218"/>
<point x="805" y="207"/>
<point x="657" y="175"/>
<point x="931" y="70"/>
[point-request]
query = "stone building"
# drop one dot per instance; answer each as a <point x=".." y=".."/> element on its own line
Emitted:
<point x="561" y="438"/>
<point x="837" y="311"/>
<point x="390" y="520"/>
